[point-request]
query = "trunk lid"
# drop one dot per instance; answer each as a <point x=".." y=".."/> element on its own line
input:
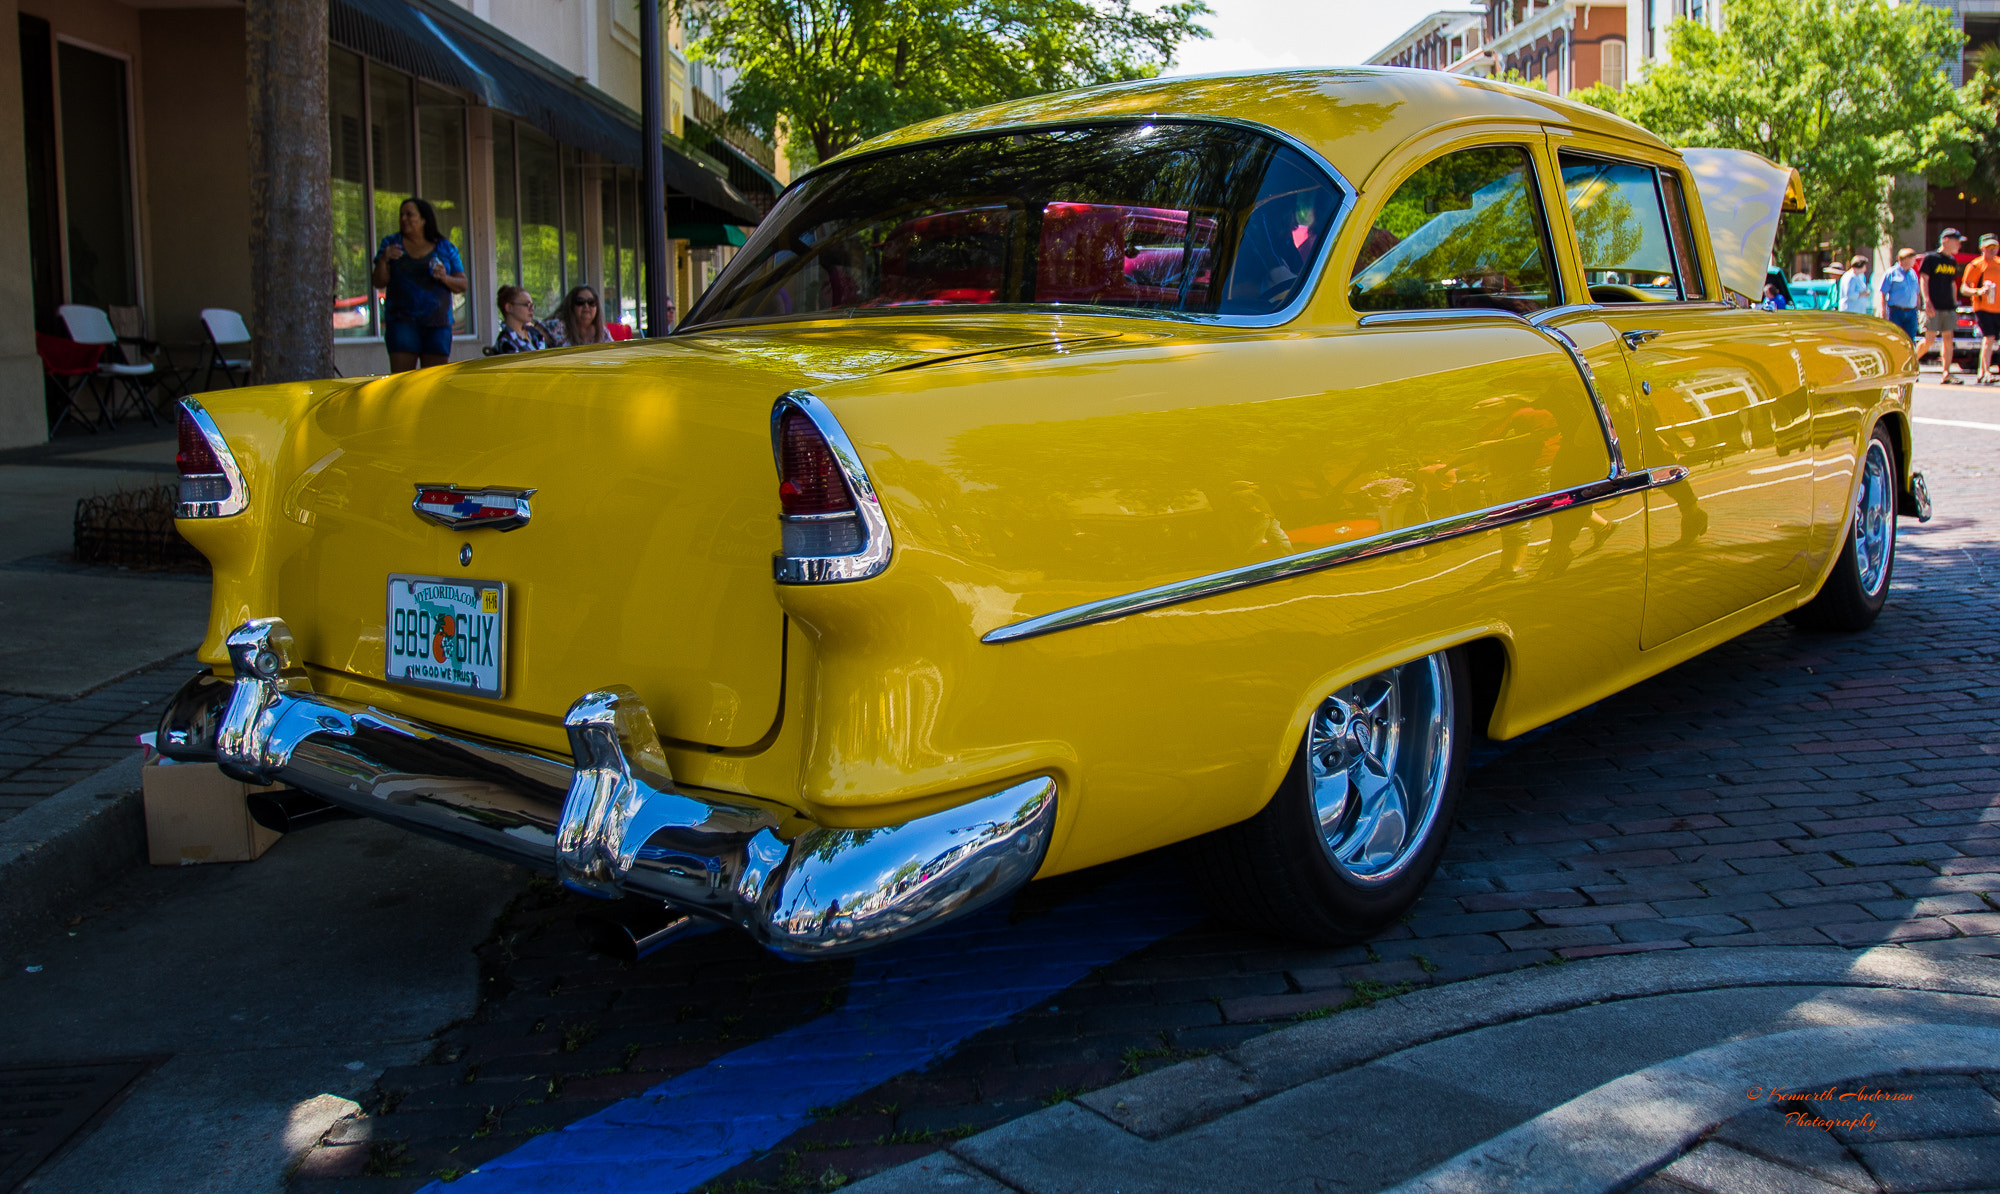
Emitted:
<point x="647" y="558"/>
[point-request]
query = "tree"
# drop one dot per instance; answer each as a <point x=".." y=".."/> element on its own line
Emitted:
<point x="291" y="180"/>
<point x="1851" y="92"/>
<point x="840" y="71"/>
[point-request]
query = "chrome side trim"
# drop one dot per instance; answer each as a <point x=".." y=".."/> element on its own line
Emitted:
<point x="1340" y="553"/>
<point x="1375" y="319"/>
<point x="1561" y="340"/>
<point x="239" y="493"/>
<point x="1349" y="196"/>
<point x="613" y="823"/>
<point x="877" y="543"/>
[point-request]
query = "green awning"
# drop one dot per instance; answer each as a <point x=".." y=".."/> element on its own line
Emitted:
<point x="704" y="235"/>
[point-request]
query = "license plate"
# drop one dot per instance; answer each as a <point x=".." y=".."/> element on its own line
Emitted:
<point x="447" y="633"/>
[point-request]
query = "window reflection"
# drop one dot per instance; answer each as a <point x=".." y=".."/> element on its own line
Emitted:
<point x="1620" y="231"/>
<point x="1169" y="217"/>
<point x="1464" y="231"/>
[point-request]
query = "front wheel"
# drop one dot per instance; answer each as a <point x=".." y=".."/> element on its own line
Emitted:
<point x="1356" y="828"/>
<point x="1858" y="586"/>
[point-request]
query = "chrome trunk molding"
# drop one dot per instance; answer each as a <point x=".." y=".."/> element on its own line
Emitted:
<point x="612" y="823"/>
<point x="1337" y="554"/>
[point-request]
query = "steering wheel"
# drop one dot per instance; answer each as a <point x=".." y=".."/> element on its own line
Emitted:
<point x="1610" y="292"/>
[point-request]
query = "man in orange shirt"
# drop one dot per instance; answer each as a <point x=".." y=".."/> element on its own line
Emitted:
<point x="1982" y="286"/>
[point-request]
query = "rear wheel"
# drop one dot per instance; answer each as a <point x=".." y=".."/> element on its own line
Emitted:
<point x="1356" y="828"/>
<point x="1858" y="586"/>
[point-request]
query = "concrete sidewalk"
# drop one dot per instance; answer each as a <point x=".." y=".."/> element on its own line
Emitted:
<point x="1587" y="1077"/>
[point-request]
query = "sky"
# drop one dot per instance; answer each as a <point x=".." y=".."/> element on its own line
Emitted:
<point x="1257" y="33"/>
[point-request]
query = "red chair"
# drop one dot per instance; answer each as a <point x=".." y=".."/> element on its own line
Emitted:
<point x="71" y="366"/>
<point x="619" y="331"/>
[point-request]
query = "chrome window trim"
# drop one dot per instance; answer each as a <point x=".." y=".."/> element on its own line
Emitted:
<point x="877" y="544"/>
<point x="239" y="492"/>
<point x="1387" y="543"/>
<point x="1349" y="195"/>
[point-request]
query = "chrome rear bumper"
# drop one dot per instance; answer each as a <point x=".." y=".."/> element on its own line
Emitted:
<point x="611" y="823"/>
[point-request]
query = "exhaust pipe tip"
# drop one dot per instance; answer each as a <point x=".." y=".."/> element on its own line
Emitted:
<point x="287" y="811"/>
<point x="631" y="929"/>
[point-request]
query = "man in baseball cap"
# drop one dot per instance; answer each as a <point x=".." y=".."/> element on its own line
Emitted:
<point x="1939" y="271"/>
<point x="1982" y="286"/>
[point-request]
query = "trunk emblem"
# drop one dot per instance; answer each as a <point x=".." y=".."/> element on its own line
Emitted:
<point x="467" y="509"/>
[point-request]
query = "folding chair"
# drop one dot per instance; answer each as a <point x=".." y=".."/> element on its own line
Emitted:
<point x="70" y="366"/>
<point x="224" y="327"/>
<point x="90" y="325"/>
<point x="130" y="324"/>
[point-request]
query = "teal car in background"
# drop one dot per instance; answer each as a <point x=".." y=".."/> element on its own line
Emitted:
<point x="1816" y="295"/>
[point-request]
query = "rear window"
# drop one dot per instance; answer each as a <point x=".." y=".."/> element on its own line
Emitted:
<point x="1164" y="216"/>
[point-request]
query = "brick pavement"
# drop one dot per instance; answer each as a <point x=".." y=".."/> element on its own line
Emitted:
<point x="47" y="745"/>
<point x="1945" y="1137"/>
<point x="1784" y="788"/>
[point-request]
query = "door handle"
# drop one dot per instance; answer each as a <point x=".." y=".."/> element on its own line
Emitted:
<point x="1634" y="339"/>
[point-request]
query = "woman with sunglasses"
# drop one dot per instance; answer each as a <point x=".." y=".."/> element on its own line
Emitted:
<point x="580" y="321"/>
<point x="518" y="330"/>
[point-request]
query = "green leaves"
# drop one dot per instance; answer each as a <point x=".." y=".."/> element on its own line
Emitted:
<point x="1851" y="92"/>
<point x="840" y="71"/>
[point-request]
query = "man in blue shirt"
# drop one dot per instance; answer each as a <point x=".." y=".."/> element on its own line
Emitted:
<point x="1900" y="296"/>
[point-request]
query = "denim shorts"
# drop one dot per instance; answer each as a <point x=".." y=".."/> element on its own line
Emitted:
<point x="402" y="336"/>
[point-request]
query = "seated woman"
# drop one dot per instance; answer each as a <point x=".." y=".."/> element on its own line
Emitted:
<point x="518" y="330"/>
<point x="580" y="321"/>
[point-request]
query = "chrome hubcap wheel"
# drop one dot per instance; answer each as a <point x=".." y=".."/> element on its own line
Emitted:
<point x="1378" y="755"/>
<point x="1874" y="520"/>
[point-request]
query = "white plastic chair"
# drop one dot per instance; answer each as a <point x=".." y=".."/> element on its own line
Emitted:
<point x="90" y="325"/>
<point x="224" y="327"/>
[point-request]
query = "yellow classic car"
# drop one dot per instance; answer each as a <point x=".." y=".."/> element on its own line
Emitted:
<point x="1198" y="461"/>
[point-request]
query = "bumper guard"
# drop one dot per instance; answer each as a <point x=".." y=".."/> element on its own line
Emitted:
<point x="611" y="823"/>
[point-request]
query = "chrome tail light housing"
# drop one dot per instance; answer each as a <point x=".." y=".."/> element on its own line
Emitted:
<point x="211" y="484"/>
<point x="833" y="525"/>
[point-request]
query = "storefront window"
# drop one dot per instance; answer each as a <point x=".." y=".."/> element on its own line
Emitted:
<point x="353" y="251"/>
<point x="391" y="138"/>
<point x="629" y="294"/>
<point x="506" y="248"/>
<point x="607" y="227"/>
<point x="391" y="147"/>
<point x="441" y="162"/>
<point x="541" y="219"/>
<point x="572" y="217"/>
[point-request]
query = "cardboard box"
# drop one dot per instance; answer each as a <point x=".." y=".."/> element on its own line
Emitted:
<point x="196" y="814"/>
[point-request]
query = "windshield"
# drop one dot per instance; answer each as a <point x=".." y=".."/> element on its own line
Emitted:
<point x="1186" y="217"/>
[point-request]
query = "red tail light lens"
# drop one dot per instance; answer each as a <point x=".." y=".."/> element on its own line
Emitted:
<point x="195" y="457"/>
<point x="211" y="484"/>
<point x="809" y="478"/>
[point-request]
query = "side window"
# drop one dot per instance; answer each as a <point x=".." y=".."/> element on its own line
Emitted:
<point x="1683" y="232"/>
<point x="1621" y="232"/>
<point x="1466" y="230"/>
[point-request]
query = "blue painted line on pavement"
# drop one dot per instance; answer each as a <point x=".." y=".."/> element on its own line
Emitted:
<point x="907" y="1007"/>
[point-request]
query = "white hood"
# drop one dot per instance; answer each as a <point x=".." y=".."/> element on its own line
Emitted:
<point x="1743" y="194"/>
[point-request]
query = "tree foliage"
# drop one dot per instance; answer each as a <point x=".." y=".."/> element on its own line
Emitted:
<point x="840" y="71"/>
<point x="1851" y="92"/>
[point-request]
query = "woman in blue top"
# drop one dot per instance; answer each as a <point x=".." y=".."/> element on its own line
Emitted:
<point x="421" y="271"/>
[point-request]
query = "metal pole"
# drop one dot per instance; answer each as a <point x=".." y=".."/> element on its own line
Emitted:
<point x="653" y="164"/>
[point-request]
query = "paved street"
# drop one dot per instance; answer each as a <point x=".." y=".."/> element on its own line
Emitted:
<point x="1785" y="789"/>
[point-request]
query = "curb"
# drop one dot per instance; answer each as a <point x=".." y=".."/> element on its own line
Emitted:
<point x="1660" y="1110"/>
<point x="65" y="847"/>
<point x="1169" y="1101"/>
